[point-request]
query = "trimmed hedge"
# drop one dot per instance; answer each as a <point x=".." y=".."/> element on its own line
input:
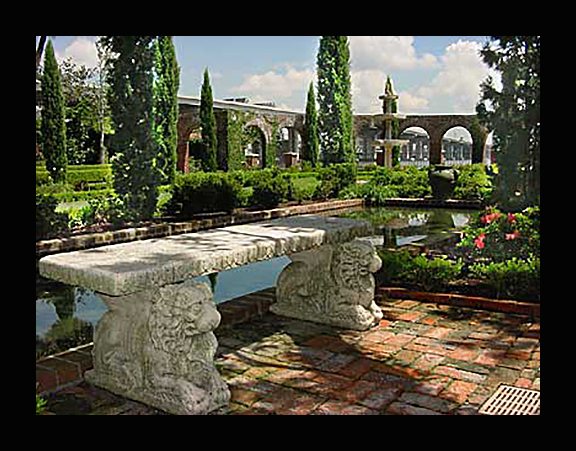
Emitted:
<point x="78" y="176"/>
<point x="203" y="193"/>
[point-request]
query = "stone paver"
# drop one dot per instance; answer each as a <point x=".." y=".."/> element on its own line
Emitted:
<point x="423" y="359"/>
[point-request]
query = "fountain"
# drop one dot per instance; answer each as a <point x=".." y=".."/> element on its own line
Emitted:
<point x="384" y="156"/>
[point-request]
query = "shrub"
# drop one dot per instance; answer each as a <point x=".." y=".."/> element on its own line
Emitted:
<point x="513" y="277"/>
<point x="501" y="236"/>
<point x="334" y="179"/>
<point x="407" y="182"/>
<point x="433" y="273"/>
<point x="473" y="183"/>
<point x="102" y="210"/>
<point x="395" y="266"/>
<point x="49" y="223"/>
<point x="270" y="187"/>
<point x="203" y="193"/>
<point x="429" y="273"/>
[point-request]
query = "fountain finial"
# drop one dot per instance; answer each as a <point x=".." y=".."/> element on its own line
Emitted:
<point x="388" y="90"/>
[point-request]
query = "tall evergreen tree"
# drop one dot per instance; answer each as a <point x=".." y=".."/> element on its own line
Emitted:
<point x="335" y="100"/>
<point x="310" y="143"/>
<point x="166" y="87"/>
<point x="514" y="116"/>
<point x="134" y="165"/>
<point x="53" y="126"/>
<point x="208" y="124"/>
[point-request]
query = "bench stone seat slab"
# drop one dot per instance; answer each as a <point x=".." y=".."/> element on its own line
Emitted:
<point x="127" y="268"/>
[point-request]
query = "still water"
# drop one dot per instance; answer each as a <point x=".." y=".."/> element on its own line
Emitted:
<point x="66" y="316"/>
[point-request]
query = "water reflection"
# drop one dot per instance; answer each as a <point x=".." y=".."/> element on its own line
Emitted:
<point x="400" y="226"/>
<point x="65" y="316"/>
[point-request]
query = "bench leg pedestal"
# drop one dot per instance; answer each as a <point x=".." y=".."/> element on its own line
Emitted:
<point x="157" y="347"/>
<point x="332" y="284"/>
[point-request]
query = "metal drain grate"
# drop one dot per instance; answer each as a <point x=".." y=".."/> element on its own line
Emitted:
<point x="512" y="401"/>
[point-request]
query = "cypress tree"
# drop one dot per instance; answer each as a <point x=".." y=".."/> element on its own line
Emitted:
<point x="310" y="143"/>
<point x="134" y="165"/>
<point x="335" y="100"/>
<point x="53" y="125"/>
<point x="166" y="107"/>
<point x="208" y="124"/>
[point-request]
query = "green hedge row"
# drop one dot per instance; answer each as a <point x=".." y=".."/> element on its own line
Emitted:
<point x="78" y="176"/>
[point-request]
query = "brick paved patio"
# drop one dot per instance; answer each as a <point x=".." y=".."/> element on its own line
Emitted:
<point x="423" y="359"/>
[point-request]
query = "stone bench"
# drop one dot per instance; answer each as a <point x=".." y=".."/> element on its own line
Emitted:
<point x="155" y="344"/>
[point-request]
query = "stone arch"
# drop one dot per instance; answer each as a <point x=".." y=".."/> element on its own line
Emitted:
<point x="437" y="125"/>
<point x="187" y="123"/>
<point x="257" y="134"/>
<point x="457" y="149"/>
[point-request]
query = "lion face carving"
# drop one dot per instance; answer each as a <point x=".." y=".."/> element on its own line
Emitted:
<point x="179" y="315"/>
<point x="353" y="265"/>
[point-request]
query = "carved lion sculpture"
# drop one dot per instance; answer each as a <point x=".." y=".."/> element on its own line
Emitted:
<point x="352" y="267"/>
<point x="332" y="284"/>
<point x="158" y="347"/>
<point x="181" y="358"/>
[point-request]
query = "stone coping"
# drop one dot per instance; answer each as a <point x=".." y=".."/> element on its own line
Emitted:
<point x="460" y="300"/>
<point x="455" y="204"/>
<point x="58" y="245"/>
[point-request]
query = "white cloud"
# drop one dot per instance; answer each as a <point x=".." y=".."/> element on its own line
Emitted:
<point x="387" y="52"/>
<point x="367" y="85"/>
<point x="272" y="85"/>
<point x="457" y="84"/>
<point x="410" y="103"/>
<point x="82" y="51"/>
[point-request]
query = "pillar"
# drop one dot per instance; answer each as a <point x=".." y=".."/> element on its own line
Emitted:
<point x="435" y="151"/>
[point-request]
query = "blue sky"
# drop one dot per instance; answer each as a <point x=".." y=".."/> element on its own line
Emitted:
<point x="432" y="74"/>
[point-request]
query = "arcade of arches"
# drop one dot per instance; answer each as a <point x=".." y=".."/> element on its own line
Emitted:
<point x="273" y="136"/>
<point x="259" y="139"/>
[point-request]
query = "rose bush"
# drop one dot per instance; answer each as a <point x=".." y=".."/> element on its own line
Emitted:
<point x="499" y="236"/>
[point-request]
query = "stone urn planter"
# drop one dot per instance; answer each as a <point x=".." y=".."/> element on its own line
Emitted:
<point x="442" y="180"/>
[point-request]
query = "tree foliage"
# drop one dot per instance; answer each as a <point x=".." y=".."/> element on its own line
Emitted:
<point x="53" y="127"/>
<point x="166" y="86"/>
<point x="514" y="115"/>
<point x="335" y="100"/>
<point x="208" y="123"/>
<point x="86" y="115"/>
<point x="310" y="142"/>
<point x="134" y="143"/>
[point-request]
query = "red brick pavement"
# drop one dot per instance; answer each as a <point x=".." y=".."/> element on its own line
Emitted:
<point x="423" y="359"/>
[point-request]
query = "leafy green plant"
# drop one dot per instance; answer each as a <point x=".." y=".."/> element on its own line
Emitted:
<point x="501" y="236"/>
<point x="40" y="404"/>
<point x="203" y="193"/>
<point x="334" y="179"/>
<point x="428" y="273"/>
<point x="49" y="223"/>
<point x="433" y="273"/>
<point x="513" y="277"/>
<point x="270" y="187"/>
<point x="473" y="183"/>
